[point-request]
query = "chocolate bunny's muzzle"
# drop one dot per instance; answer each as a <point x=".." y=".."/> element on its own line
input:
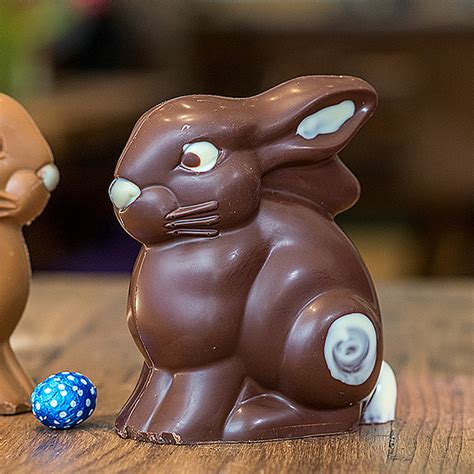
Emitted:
<point x="133" y="204"/>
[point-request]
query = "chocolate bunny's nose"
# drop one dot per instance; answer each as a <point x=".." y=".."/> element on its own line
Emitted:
<point x="49" y="174"/>
<point x="123" y="193"/>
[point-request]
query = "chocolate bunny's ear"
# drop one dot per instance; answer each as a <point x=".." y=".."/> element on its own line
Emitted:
<point x="312" y="118"/>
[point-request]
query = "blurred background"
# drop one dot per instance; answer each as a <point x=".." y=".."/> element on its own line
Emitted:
<point x="87" y="69"/>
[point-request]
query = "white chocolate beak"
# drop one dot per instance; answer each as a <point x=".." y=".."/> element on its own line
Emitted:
<point x="49" y="174"/>
<point x="123" y="193"/>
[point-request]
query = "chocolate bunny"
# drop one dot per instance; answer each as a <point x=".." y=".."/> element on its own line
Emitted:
<point x="27" y="176"/>
<point x="255" y="315"/>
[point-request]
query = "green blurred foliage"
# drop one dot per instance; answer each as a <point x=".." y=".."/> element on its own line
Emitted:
<point x="27" y="28"/>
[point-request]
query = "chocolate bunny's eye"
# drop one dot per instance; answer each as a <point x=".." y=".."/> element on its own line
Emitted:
<point x="199" y="156"/>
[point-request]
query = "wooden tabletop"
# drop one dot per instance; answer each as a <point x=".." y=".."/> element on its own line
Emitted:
<point x="78" y="323"/>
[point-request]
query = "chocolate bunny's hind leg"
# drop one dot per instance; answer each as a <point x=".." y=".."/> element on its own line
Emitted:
<point x="331" y="359"/>
<point x="333" y="352"/>
<point x="328" y="366"/>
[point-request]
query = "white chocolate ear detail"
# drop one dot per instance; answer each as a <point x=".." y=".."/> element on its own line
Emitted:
<point x="123" y="193"/>
<point x="350" y="348"/>
<point x="327" y="120"/>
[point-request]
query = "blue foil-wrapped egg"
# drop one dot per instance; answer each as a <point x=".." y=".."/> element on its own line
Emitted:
<point x="64" y="400"/>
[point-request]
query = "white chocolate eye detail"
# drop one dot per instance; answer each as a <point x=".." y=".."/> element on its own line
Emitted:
<point x="350" y="349"/>
<point x="199" y="156"/>
<point x="327" y="120"/>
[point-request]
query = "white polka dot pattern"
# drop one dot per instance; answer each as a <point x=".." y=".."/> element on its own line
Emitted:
<point x="59" y="403"/>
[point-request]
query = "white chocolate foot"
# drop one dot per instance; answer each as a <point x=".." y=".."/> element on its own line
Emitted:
<point x="381" y="405"/>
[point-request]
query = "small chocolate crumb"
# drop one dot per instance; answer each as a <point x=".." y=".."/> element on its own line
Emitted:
<point x="170" y="438"/>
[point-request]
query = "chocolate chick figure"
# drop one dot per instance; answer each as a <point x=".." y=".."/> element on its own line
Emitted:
<point x="255" y="315"/>
<point x="27" y="176"/>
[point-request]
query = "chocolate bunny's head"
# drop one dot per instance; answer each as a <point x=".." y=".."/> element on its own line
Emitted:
<point x="22" y="146"/>
<point x="27" y="171"/>
<point x="195" y="165"/>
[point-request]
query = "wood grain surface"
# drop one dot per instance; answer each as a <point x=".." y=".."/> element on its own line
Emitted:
<point x="78" y="323"/>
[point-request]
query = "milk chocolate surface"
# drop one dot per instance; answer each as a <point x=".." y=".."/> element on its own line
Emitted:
<point x="27" y="176"/>
<point x="254" y="313"/>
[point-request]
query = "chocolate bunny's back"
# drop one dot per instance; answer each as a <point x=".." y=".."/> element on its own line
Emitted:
<point x="255" y="315"/>
<point x="27" y="176"/>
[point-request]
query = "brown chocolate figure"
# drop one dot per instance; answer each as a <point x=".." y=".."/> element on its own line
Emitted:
<point x="255" y="315"/>
<point x="27" y="176"/>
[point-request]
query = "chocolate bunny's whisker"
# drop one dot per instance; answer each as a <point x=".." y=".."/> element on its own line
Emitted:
<point x="192" y="226"/>
<point x="181" y="224"/>
<point x="194" y="232"/>
<point x="184" y="211"/>
<point x="195" y="221"/>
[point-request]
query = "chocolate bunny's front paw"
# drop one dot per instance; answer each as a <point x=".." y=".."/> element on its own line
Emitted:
<point x="8" y="203"/>
<point x="31" y="194"/>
